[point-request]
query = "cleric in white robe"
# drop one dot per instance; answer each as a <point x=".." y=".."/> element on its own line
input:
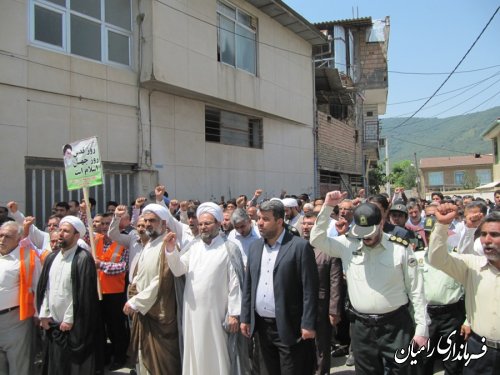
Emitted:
<point x="212" y="298"/>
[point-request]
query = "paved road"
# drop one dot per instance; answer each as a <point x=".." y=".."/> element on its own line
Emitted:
<point x="338" y="368"/>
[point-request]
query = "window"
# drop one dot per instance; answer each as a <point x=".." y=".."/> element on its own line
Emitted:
<point x="96" y="29"/>
<point x="237" y="33"/>
<point x="340" y="49"/>
<point x="376" y="33"/>
<point x="483" y="175"/>
<point x="459" y="177"/>
<point x="232" y="128"/>
<point x="436" y="178"/>
<point x="371" y="131"/>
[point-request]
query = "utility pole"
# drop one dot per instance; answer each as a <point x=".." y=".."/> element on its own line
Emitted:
<point x="387" y="169"/>
<point x="418" y="174"/>
<point x="384" y="142"/>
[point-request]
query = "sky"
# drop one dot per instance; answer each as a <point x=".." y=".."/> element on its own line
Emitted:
<point x="429" y="37"/>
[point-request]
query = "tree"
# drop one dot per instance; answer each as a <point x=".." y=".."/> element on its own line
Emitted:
<point x="471" y="181"/>
<point x="404" y="174"/>
<point x="376" y="178"/>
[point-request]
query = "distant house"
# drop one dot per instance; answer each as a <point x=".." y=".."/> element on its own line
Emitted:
<point x="452" y="173"/>
<point x="493" y="133"/>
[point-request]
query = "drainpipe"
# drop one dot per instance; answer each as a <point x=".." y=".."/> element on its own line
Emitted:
<point x="315" y="132"/>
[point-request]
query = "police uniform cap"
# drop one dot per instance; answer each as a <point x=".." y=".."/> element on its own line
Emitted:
<point x="366" y="221"/>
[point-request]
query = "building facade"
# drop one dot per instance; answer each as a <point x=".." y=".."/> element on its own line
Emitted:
<point x="207" y="97"/>
<point x="351" y="90"/>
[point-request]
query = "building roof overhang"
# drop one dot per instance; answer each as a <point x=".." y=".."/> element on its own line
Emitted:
<point x="286" y="16"/>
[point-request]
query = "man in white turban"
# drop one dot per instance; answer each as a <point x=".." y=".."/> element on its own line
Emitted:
<point x="152" y="306"/>
<point x="292" y="214"/>
<point x="213" y="268"/>
<point x="68" y="304"/>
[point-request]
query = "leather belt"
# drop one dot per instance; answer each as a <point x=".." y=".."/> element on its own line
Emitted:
<point x="378" y="319"/>
<point x="493" y="344"/>
<point x="5" y="311"/>
<point x="440" y="309"/>
<point x="266" y="320"/>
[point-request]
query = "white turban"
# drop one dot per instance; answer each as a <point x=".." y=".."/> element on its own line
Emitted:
<point x="210" y="208"/>
<point x="290" y="202"/>
<point x="157" y="209"/>
<point x="75" y="223"/>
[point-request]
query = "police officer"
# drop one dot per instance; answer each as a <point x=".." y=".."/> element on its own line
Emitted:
<point x="445" y="306"/>
<point x="382" y="279"/>
<point x="398" y="215"/>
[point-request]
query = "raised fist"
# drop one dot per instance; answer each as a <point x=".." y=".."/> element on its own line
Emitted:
<point x="12" y="206"/>
<point x="120" y="210"/>
<point x="139" y="202"/>
<point x="333" y="198"/>
<point x="159" y="192"/>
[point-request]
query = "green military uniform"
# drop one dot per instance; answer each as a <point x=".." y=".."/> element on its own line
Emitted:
<point x="381" y="281"/>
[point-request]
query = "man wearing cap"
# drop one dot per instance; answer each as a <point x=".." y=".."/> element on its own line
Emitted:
<point x="212" y="298"/>
<point x="480" y="276"/>
<point x="445" y="306"/>
<point x="382" y="279"/>
<point x="398" y="215"/>
<point x="153" y="308"/>
<point x="68" y="304"/>
<point x="383" y="204"/>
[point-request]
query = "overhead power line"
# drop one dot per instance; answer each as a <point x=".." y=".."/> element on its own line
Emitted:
<point x="447" y="92"/>
<point x="443" y="73"/>
<point x="452" y="72"/>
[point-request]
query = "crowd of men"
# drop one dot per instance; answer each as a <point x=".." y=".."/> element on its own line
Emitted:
<point x="253" y="286"/>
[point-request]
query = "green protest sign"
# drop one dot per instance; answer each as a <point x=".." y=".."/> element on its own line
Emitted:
<point x="82" y="163"/>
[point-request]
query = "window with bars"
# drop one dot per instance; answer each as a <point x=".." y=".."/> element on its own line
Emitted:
<point x="371" y="131"/>
<point x="96" y="29"/>
<point x="231" y="128"/>
<point x="46" y="185"/>
<point x="236" y="37"/>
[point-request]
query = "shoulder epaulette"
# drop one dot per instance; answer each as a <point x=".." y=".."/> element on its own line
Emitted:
<point x="399" y="240"/>
<point x="293" y="230"/>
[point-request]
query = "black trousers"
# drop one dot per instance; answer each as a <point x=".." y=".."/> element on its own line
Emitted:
<point x="323" y="338"/>
<point x="374" y="346"/>
<point x="115" y="324"/>
<point x="443" y="324"/>
<point x="488" y="364"/>
<point x="277" y="358"/>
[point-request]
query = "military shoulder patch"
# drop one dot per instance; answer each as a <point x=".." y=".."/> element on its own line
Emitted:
<point x="399" y="240"/>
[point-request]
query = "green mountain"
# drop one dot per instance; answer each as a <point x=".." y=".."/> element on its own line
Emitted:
<point x="429" y="137"/>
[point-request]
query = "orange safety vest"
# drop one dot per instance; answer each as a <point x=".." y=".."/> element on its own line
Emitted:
<point x="26" y="293"/>
<point x="110" y="283"/>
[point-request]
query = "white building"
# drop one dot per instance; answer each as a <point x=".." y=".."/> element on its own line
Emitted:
<point x="208" y="97"/>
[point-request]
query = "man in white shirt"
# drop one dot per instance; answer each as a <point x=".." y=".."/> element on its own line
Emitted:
<point x="244" y="232"/>
<point x="16" y="324"/>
